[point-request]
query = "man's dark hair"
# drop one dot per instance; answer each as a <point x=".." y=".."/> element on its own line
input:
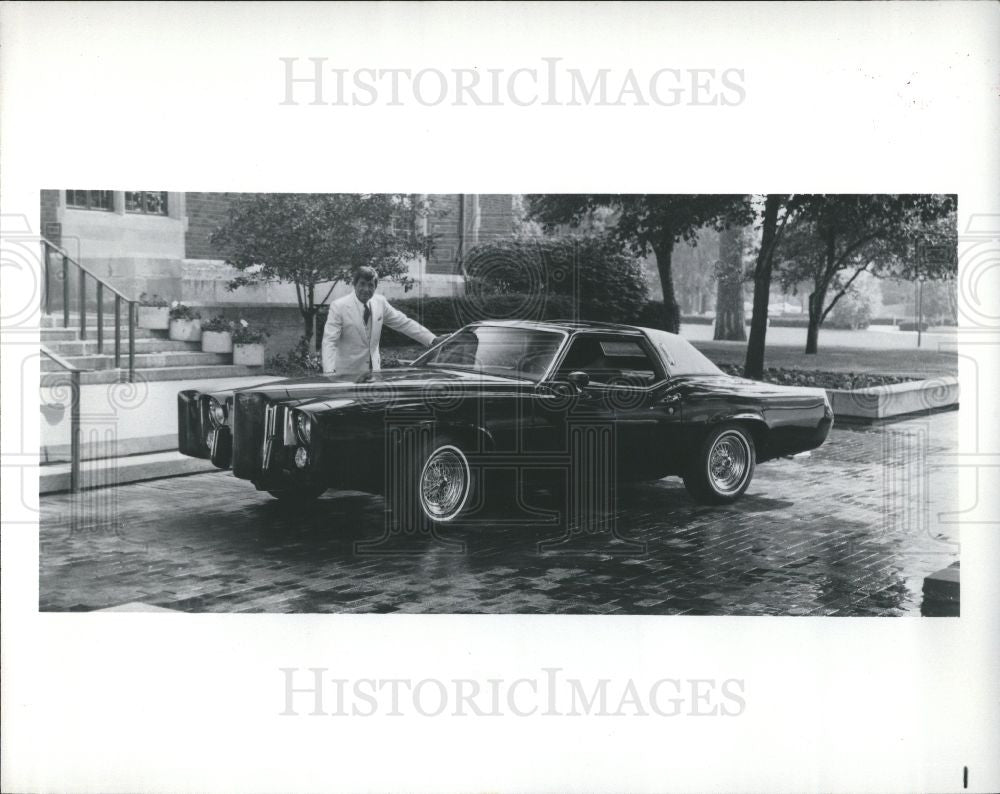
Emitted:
<point x="365" y="273"/>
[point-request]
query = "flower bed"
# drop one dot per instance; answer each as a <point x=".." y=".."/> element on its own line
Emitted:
<point x="820" y="379"/>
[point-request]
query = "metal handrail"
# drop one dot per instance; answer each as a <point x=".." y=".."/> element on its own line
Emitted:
<point x="48" y="248"/>
<point x="74" y="415"/>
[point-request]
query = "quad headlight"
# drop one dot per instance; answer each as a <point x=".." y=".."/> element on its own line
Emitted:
<point x="303" y="427"/>
<point x="216" y="412"/>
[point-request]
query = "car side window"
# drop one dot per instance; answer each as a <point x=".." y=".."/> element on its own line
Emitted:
<point x="611" y="361"/>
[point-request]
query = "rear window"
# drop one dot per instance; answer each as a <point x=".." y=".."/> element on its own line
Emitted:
<point x="679" y="355"/>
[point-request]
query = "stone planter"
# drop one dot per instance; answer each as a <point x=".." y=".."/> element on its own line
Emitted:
<point x="185" y="330"/>
<point x="216" y="342"/>
<point x="885" y="402"/>
<point x="249" y="355"/>
<point x="156" y="318"/>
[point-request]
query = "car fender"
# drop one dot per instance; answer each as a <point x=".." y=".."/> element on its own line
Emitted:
<point x="479" y="438"/>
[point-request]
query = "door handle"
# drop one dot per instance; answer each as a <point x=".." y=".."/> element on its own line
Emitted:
<point x="670" y="399"/>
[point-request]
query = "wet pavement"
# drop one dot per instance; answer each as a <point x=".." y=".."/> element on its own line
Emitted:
<point x="851" y="529"/>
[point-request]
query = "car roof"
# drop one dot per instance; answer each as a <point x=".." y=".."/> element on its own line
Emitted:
<point x="567" y="325"/>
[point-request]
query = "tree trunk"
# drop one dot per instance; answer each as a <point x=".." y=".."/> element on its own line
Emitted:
<point x="815" y="318"/>
<point x="754" y="366"/>
<point x="308" y="323"/>
<point x="664" y="250"/>
<point x="730" y="321"/>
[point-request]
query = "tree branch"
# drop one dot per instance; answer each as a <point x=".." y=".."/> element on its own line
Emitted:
<point x="329" y="292"/>
<point x="846" y="287"/>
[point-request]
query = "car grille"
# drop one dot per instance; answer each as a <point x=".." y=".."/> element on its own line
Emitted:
<point x="274" y="424"/>
<point x="248" y="434"/>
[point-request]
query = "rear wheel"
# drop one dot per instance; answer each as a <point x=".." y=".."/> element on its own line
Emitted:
<point x="723" y="465"/>
<point x="300" y="493"/>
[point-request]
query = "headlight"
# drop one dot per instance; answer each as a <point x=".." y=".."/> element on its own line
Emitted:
<point x="303" y="427"/>
<point x="217" y="412"/>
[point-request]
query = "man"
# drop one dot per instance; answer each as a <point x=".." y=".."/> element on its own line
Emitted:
<point x="354" y="327"/>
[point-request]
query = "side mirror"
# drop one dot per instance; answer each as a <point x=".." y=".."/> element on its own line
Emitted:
<point x="578" y="379"/>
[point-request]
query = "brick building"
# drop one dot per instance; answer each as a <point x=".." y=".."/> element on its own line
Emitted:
<point x="159" y="242"/>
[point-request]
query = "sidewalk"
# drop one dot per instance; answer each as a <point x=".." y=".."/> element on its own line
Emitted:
<point x="122" y="418"/>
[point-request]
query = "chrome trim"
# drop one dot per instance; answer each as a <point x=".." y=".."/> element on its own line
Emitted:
<point x="271" y="413"/>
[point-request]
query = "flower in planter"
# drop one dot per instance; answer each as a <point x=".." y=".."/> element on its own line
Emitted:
<point x="246" y="334"/>
<point x="155" y="301"/>
<point x="217" y="324"/>
<point x="179" y="311"/>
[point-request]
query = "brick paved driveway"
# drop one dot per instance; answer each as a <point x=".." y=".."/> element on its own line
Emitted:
<point x="850" y="530"/>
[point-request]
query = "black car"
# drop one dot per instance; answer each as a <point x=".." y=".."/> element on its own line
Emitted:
<point x="577" y="398"/>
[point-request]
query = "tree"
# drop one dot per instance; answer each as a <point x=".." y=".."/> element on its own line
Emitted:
<point x="646" y="222"/>
<point x="771" y="228"/>
<point x="317" y="240"/>
<point x="693" y="271"/>
<point x="730" y="321"/>
<point x="839" y="237"/>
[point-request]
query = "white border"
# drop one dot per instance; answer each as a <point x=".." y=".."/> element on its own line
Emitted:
<point x="879" y="97"/>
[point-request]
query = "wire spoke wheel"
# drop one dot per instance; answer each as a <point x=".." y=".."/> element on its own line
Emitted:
<point x="444" y="483"/>
<point x="729" y="462"/>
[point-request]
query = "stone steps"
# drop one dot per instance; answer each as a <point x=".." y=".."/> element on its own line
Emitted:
<point x="72" y="334"/>
<point x="56" y="320"/>
<point x="74" y="347"/>
<point x="60" y="379"/>
<point x="144" y="361"/>
<point x="118" y="471"/>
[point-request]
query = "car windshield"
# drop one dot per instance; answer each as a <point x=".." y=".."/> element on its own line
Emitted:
<point x="497" y="350"/>
<point x="680" y="356"/>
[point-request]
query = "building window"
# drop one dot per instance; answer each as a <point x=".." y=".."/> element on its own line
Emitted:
<point x="145" y="202"/>
<point x="102" y="200"/>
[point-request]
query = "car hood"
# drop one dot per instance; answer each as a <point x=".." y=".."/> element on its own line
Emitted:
<point x="389" y="381"/>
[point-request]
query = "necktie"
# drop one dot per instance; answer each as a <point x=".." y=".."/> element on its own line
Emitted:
<point x="367" y="318"/>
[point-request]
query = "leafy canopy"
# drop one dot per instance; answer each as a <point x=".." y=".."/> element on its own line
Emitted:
<point x="320" y="238"/>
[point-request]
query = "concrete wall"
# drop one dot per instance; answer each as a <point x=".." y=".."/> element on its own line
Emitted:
<point x="135" y="253"/>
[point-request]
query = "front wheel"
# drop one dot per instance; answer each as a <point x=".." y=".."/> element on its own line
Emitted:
<point x="445" y="483"/>
<point x="723" y="465"/>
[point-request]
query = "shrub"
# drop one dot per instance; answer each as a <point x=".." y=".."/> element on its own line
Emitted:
<point x="696" y="319"/>
<point x="803" y="322"/>
<point x="605" y="279"/>
<point x="445" y="314"/>
<point x="300" y="360"/>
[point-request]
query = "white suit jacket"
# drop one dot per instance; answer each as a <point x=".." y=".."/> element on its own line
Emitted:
<point x="348" y="345"/>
